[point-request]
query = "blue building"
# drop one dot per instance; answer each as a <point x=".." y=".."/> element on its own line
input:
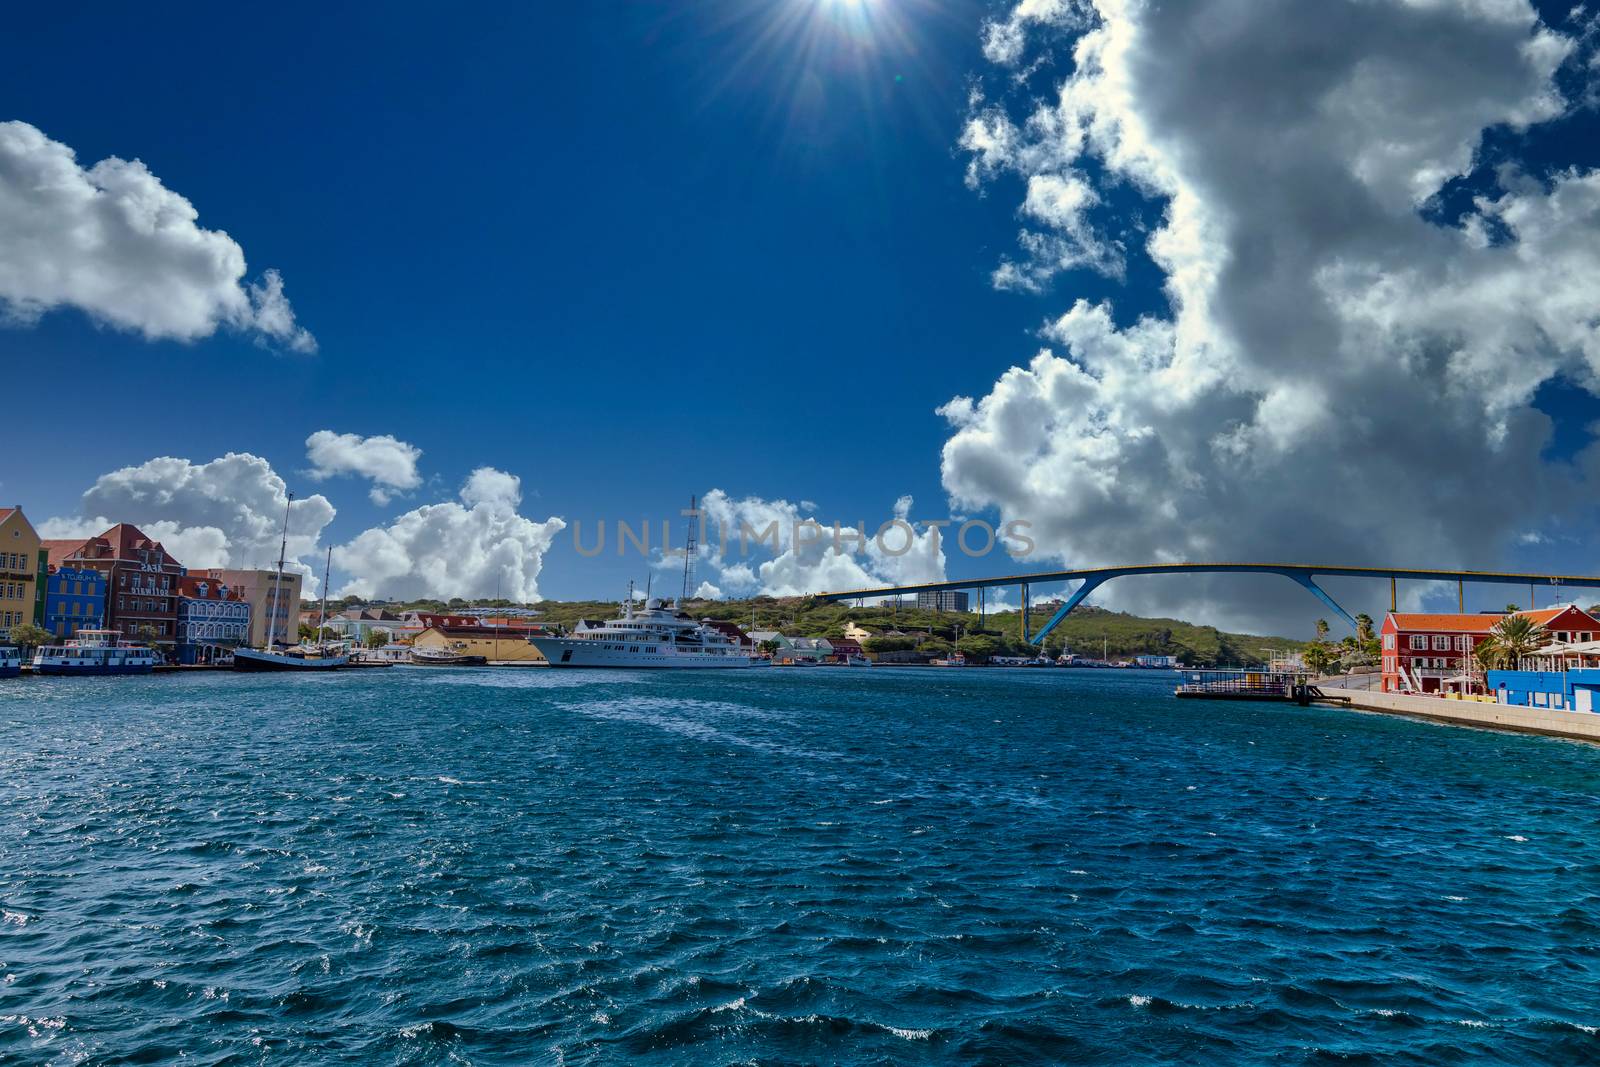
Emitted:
<point x="1570" y="690"/>
<point x="213" y="619"/>
<point x="74" y="599"/>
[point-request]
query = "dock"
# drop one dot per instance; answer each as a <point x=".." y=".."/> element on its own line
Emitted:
<point x="1261" y="684"/>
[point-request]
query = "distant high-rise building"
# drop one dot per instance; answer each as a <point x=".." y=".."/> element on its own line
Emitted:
<point x="944" y="600"/>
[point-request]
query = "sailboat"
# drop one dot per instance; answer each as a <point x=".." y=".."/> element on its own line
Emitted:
<point x="303" y="657"/>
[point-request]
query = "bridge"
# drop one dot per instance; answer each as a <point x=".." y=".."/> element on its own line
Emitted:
<point x="1302" y="574"/>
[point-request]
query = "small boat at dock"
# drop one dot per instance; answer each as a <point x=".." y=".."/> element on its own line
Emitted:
<point x="445" y="657"/>
<point x="10" y="662"/>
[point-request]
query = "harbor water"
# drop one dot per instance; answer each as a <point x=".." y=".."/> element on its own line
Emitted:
<point x="780" y="866"/>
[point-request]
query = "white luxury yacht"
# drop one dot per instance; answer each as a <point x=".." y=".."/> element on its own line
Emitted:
<point x="658" y="635"/>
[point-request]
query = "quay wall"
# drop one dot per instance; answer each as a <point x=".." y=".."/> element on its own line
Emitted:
<point x="1578" y="725"/>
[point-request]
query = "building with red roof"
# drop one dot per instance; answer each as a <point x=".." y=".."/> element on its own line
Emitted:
<point x="1422" y="650"/>
<point x="142" y="582"/>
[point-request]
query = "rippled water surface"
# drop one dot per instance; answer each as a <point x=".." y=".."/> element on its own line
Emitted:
<point x="827" y="866"/>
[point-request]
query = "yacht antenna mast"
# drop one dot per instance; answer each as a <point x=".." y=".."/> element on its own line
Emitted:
<point x="689" y="546"/>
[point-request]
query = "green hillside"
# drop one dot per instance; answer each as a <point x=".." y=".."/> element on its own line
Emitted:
<point x="1088" y="631"/>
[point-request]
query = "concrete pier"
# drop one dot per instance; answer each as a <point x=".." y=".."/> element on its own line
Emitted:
<point x="1575" y="725"/>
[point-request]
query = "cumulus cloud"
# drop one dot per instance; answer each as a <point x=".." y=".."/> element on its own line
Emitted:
<point x="391" y="464"/>
<point x="480" y="547"/>
<point x="225" y="513"/>
<point x="114" y="242"/>
<point x="1339" y="373"/>
<point x="787" y="550"/>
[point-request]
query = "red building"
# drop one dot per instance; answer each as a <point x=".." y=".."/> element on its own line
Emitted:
<point x="1421" y="650"/>
<point x="141" y="581"/>
<point x="846" y="648"/>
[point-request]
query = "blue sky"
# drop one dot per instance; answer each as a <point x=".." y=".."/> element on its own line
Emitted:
<point x="624" y="251"/>
<point x="515" y="233"/>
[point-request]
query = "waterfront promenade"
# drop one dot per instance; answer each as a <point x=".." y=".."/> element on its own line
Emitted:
<point x="1574" y="725"/>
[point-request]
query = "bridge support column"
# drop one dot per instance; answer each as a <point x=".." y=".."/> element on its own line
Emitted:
<point x="1025" y="638"/>
<point x="1394" y="603"/>
<point x="1322" y="595"/>
<point x="1461" y="597"/>
<point x="1078" y="596"/>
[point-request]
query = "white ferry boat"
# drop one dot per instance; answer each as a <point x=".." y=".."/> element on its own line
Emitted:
<point x="10" y="662"/>
<point x="95" y="652"/>
<point x="657" y="636"/>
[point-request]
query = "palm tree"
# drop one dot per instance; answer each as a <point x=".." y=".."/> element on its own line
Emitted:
<point x="1322" y="629"/>
<point x="1512" y="638"/>
<point x="1364" y="632"/>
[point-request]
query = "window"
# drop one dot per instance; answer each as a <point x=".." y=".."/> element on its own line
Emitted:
<point x="1388" y="640"/>
<point x="1440" y="644"/>
<point x="1419" y="641"/>
<point x="1463" y="644"/>
<point x="1390" y="665"/>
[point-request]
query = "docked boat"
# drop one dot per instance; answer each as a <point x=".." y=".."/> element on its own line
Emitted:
<point x="10" y="662"/>
<point x="445" y="657"/>
<point x="95" y="652"/>
<point x="657" y="636"/>
<point x="301" y="657"/>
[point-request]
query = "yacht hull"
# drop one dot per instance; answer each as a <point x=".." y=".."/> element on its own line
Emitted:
<point x="591" y="654"/>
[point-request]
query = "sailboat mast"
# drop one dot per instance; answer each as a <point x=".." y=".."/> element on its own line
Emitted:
<point x="322" y="616"/>
<point x="277" y="585"/>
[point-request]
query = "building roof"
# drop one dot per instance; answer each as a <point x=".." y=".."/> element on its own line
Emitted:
<point x="215" y="589"/>
<point x="121" y="542"/>
<point x="504" y="633"/>
<point x="60" y="550"/>
<point x="1545" y="616"/>
<point x="1406" y="621"/>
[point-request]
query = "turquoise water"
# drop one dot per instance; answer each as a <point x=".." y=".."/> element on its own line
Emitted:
<point x="827" y="866"/>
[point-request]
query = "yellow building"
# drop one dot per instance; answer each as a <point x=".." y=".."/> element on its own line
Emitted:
<point x="494" y="643"/>
<point x="19" y="570"/>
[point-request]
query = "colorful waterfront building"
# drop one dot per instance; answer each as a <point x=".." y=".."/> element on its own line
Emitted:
<point x="1421" y="651"/>
<point x="257" y="587"/>
<point x="1575" y="691"/>
<point x="497" y="644"/>
<point x="20" y="564"/>
<point x="213" y="619"/>
<point x="141" y="582"/>
<point x="75" y="599"/>
<point x="358" y="623"/>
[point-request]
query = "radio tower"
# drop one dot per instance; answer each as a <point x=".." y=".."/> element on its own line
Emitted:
<point x="689" y="545"/>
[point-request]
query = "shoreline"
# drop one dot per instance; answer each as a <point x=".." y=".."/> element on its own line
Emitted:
<point x="1507" y="718"/>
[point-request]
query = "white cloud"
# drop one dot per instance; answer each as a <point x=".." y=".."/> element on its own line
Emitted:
<point x="390" y="463"/>
<point x="781" y="555"/>
<point x="225" y="513"/>
<point x="114" y="242"/>
<point x="480" y="547"/>
<point x="1338" y="377"/>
